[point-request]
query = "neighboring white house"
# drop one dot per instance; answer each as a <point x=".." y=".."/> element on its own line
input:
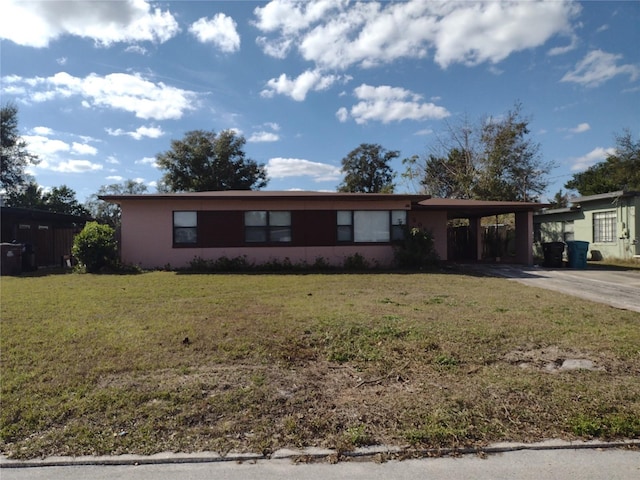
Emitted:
<point x="610" y="222"/>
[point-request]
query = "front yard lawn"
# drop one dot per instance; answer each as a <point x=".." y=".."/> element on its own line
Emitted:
<point x="161" y="361"/>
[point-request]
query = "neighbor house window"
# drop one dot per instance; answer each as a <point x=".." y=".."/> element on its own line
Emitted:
<point x="604" y="227"/>
<point x="185" y="228"/>
<point x="380" y="226"/>
<point x="267" y="227"/>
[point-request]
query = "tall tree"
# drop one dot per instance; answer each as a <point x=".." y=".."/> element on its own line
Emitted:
<point x="560" y="199"/>
<point x="493" y="159"/>
<point x="107" y="212"/>
<point x="203" y="161"/>
<point x="14" y="156"/>
<point x="27" y="196"/>
<point x="511" y="166"/>
<point x="450" y="168"/>
<point x="62" y="199"/>
<point x="367" y="170"/>
<point x="620" y="171"/>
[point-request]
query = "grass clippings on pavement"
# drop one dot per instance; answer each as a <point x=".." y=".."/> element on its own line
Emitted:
<point x="111" y="364"/>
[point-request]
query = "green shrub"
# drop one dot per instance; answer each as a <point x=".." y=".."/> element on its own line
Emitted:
<point x="95" y="247"/>
<point x="417" y="250"/>
<point x="356" y="262"/>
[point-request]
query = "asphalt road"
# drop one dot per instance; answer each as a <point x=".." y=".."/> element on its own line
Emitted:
<point x="585" y="464"/>
<point x="618" y="288"/>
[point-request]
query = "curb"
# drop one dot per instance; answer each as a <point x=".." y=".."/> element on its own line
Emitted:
<point x="309" y="454"/>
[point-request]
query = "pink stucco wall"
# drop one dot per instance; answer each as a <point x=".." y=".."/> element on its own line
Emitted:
<point x="147" y="235"/>
<point x="436" y="222"/>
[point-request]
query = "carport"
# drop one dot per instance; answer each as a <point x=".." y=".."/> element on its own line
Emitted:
<point x="473" y="211"/>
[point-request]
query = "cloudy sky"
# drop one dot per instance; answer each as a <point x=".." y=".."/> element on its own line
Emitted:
<point x="104" y="86"/>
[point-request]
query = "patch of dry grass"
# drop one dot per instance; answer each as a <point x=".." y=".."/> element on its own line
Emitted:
<point x="161" y="361"/>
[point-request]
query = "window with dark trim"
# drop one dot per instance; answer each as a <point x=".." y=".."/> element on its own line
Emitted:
<point x="604" y="227"/>
<point x="185" y="228"/>
<point x="261" y="226"/>
<point x="370" y="226"/>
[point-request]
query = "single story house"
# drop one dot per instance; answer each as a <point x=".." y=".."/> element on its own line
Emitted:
<point x="47" y="237"/>
<point x="610" y="222"/>
<point x="174" y="228"/>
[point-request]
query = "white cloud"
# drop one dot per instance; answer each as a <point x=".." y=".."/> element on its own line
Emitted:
<point x="76" y="166"/>
<point x="581" y="128"/>
<point x="260" y="137"/>
<point x="44" y="147"/>
<point x="37" y="23"/>
<point x="423" y="132"/>
<point x="136" y="49"/>
<point x="567" y="48"/>
<point x="138" y="133"/>
<point x="53" y="154"/>
<point x="596" y="155"/>
<point x="147" y="161"/>
<point x="338" y="34"/>
<point x="115" y="178"/>
<point x="112" y="160"/>
<point x="83" y="149"/>
<point x="390" y="104"/>
<point x="298" y="88"/>
<point x="342" y="114"/>
<point x="598" y="67"/>
<point x="220" y="31"/>
<point x="61" y="61"/>
<point x="295" y="167"/>
<point x="46" y="131"/>
<point x="121" y="91"/>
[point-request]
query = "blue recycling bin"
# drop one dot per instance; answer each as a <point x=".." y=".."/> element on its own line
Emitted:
<point x="577" y="253"/>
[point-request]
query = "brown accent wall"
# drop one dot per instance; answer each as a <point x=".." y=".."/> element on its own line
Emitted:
<point x="220" y="228"/>
<point x="313" y="227"/>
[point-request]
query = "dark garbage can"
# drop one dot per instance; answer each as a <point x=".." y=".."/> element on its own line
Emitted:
<point x="553" y="254"/>
<point x="11" y="261"/>
<point x="577" y="253"/>
<point x="28" y="258"/>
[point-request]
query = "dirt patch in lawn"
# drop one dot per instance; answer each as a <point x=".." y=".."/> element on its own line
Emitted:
<point x="553" y="359"/>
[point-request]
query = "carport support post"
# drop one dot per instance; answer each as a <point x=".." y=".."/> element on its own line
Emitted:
<point x="476" y="228"/>
<point x="524" y="238"/>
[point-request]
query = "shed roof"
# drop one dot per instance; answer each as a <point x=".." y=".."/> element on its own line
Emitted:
<point x="461" y="208"/>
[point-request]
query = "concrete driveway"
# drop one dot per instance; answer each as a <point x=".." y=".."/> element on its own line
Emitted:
<point x="616" y="287"/>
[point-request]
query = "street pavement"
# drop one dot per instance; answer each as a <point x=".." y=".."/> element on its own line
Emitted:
<point x="593" y="463"/>
<point x="618" y="288"/>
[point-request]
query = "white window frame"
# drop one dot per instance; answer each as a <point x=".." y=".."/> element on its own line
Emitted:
<point x="370" y="226"/>
<point x="605" y="226"/>
<point x="185" y="227"/>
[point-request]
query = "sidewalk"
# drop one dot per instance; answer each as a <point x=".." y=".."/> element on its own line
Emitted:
<point x="549" y="460"/>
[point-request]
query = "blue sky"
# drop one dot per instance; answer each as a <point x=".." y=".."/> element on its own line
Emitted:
<point x="104" y="86"/>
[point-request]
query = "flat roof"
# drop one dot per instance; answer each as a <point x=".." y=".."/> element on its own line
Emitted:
<point x="266" y="194"/>
<point x="461" y="208"/>
<point x="604" y="196"/>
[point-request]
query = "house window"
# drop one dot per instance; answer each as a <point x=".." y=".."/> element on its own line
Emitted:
<point x="364" y="226"/>
<point x="604" y="227"/>
<point x="345" y="226"/>
<point x="267" y="227"/>
<point x="398" y="222"/>
<point x="185" y="228"/>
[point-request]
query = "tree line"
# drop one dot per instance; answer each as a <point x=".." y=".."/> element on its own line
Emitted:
<point x="493" y="158"/>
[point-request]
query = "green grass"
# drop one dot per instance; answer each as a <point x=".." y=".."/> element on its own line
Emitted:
<point x="99" y="364"/>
